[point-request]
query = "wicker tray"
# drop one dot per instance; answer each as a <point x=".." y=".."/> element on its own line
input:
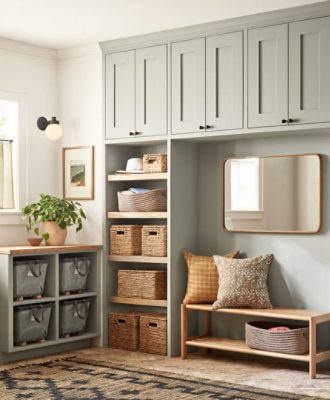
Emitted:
<point x="155" y="163"/>
<point x="124" y="331"/>
<point x="142" y="284"/>
<point x="294" y="341"/>
<point x="125" y="240"/>
<point x="154" y="240"/>
<point x="153" y="333"/>
<point x="154" y="200"/>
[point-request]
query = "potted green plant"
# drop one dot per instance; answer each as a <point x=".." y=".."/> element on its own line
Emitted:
<point x="54" y="215"/>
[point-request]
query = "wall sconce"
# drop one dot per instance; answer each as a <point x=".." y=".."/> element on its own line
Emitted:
<point x="52" y="128"/>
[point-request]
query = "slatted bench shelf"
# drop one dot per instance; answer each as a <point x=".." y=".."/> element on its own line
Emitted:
<point x="312" y="318"/>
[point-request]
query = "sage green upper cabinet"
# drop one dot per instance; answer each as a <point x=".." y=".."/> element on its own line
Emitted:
<point x="188" y="86"/>
<point x="224" y="81"/>
<point x="120" y="94"/>
<point x="309" y="71"/>
<point x="136" y="93"/>
<point x="151" y="90"/>
<point x="267" y="76"/>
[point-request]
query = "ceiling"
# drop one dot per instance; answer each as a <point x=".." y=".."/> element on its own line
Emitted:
<point x="59" y="24"/>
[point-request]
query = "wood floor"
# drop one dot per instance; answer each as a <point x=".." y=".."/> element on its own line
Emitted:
<point x="268" y="374"/>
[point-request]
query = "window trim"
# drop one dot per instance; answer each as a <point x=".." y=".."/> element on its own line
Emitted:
<point x="13" y="216"/>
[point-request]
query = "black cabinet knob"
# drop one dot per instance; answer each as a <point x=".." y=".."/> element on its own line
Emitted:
<point x="209" y="126"/>
<point x="138" y="133"/>
<point x="290" y="120"/>
<point x="132" y="133"/>
<point x="284" y="121"/>
<point x="201" y="127"/>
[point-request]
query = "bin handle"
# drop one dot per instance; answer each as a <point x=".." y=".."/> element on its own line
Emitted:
<point x="39" y="316"/>
<point x="35" y="273"/>
<point x="81" y="315"/>
<point x="76" y="264"/>
<point x="152" y="324"/>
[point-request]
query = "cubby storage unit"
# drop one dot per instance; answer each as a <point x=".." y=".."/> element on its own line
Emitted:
<point x="51" y="294"/>
<point x="218" y="106"/>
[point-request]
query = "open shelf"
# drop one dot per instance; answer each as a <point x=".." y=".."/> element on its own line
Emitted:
<point x="34" y="301"/>
<point x="31" y="346"/>
<point x="138" y="302"/>
<point x="74" y="338"/>
<point x="137" y="215"/>
<point x="77" y="296"/>
<point x="138" y="259"/>
<point x="155" y="176"/>
<point x="239" y="346"/>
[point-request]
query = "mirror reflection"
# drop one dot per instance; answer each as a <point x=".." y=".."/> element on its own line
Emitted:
<point x="273" y="194"/>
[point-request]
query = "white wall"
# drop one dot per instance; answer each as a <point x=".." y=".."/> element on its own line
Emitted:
<point x="80" y="112"/>
<point x="31" y="71"/>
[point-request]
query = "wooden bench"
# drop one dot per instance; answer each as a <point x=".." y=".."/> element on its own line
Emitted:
<point x="206" y="341"/>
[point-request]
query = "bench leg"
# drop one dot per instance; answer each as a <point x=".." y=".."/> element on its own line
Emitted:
<point x="312" y="348"/>
<point x="206" y="329"/>
<point x="184" y="352"/>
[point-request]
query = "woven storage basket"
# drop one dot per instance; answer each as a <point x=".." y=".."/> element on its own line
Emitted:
<point x="153" y="333"/>
<point x="155" y="163"/>
<point x="154" y="200"/>
<point x="154" y="240"/>
<point x="142" y="284"/>
<point x="124" y="331"/>
<point x="125" y="240"/>
<point x="293" y="341"/>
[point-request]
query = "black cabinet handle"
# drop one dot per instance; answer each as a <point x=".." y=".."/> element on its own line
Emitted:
<point x="291" y="120"/>
<point x="201" y="127"/>
<point x="132" y="133"/>
<point x="284" y="121"/>
<point x="138" y="133"/>
<point x="209" y="126"/>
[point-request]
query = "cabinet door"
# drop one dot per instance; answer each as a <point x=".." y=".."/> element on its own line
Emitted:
<point x="188" y="86"/>
<point x="224" y="81"/>
<point x="120" y="94"/>
<point x="151" y="90"/>
<point x="310" y="70"/>
<point x="268" y="76"/>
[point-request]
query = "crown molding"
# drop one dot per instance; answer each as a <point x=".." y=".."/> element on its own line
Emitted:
<point x="27" y="49"/>
<point x="79" y="51"/>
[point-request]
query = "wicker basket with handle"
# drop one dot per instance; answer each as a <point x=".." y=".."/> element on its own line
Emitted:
<point x="125" y="240"/>
<point x="153" y="200"/>
<point x="153" y="333"/>
<point x="155" y="163"/>
<point x="293" y="341"/>
<point x="144" y="284"/>
<point x="124" y="330"/>
<point x="154" y="240"/>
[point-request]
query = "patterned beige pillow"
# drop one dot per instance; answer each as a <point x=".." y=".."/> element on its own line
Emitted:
<point x="203" y="278"/>
<point x="243" y="282"/>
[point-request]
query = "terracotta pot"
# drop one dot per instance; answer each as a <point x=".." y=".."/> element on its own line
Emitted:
<point x="57" y="235"/>
<point x="34" y="241"/>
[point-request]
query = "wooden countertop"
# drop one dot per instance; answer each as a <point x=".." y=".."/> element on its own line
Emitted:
<point x="12" y="250"/>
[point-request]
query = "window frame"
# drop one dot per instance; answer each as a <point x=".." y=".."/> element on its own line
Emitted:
<point x="13" y="216"/>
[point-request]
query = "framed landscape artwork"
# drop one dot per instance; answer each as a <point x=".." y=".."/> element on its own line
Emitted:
<point x="78" y="173"/>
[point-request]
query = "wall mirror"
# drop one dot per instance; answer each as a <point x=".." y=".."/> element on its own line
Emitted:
<point x="279" y="194"/>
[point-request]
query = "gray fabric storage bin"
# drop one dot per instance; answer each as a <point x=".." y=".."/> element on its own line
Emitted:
<point x="31" y="322"/>
<point x="73" y="274"/>
<point x="73" y="316"/>
<point x="29" y="277"/>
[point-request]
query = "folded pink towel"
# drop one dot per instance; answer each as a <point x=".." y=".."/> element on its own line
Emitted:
<point x="279" y="329"/>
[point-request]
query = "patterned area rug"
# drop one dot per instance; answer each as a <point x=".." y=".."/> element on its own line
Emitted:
<point x="74" y="378"/>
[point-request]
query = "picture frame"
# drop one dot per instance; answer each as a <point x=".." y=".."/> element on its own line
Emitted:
<point x="78" y="173"/>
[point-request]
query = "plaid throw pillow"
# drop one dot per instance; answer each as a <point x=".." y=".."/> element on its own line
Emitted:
<point x="203" y="278"/>
<point x="243" y="283"/>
